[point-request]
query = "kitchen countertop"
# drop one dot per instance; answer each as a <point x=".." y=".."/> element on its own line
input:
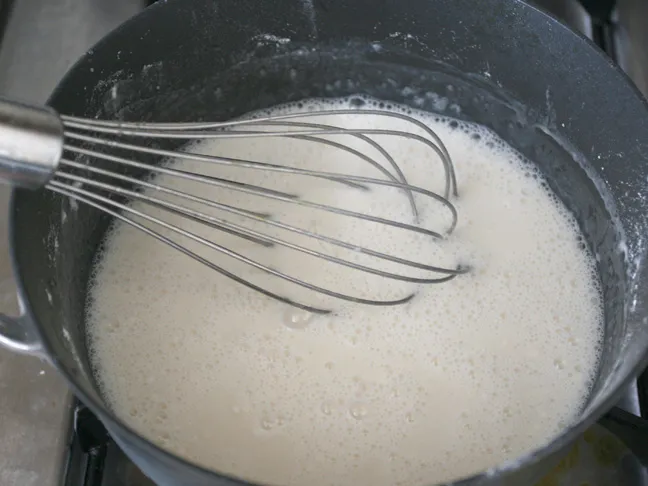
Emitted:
<point x="42" y="40"/>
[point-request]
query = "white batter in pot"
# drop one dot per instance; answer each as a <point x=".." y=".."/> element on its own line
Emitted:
<point x="468" y="374"/>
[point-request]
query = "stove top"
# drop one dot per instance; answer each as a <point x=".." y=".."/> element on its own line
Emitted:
<point x="53" y="440"/>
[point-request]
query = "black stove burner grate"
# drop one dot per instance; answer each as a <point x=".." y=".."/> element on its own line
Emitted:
<point x="94" y="458"/>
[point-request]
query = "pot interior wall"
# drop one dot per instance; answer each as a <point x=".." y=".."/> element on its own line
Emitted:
<point x="211" y="69"/>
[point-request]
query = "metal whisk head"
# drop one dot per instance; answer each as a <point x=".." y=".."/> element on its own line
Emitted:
<point x="103" y="163"/>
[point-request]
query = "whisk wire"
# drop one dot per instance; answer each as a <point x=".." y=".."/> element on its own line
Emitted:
<point x="253" y="235"/>
<point x="93" y="199"/>
<point x="255" y="190"/>
<point x="123" y="128"/>
<point x="93" y="145"/>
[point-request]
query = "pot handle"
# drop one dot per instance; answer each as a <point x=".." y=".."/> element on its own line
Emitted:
<point x="16" y="335"/>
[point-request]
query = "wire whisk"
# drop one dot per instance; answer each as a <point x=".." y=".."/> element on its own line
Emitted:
<point x="110" y="165"/>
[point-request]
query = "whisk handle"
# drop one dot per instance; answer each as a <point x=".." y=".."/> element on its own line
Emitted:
<point x="31" y="144"/>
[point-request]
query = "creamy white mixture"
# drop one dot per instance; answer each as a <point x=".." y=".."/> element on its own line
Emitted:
<point x="469" y="373"/>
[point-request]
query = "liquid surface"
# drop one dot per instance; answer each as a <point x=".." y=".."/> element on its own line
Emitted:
<point x="469" y="373"/>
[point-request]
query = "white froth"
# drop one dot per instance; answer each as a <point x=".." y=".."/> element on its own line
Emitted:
<point x="470" y="373"/>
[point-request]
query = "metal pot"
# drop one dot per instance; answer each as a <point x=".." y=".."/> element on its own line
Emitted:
<point x="501" y="63"/>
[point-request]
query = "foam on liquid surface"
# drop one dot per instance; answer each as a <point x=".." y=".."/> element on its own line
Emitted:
<point x="469" y="373"/>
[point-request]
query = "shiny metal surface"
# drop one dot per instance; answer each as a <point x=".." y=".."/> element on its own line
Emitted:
<point x="94" y="189"/>
<point x="31" y="144"/>
<point x="42" y="40"/>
